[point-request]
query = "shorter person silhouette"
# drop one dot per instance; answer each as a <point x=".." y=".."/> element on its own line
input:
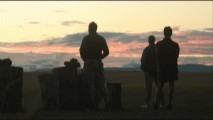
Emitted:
<point x="149" y="66"/>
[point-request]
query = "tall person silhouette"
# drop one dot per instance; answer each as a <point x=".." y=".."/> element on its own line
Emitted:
<point x="167" y="61"/>
<point x="93" y="50"/>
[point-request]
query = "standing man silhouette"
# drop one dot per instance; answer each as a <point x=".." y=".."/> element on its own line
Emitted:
<point x="167" y="60"/>
<point x="93" y="50"/>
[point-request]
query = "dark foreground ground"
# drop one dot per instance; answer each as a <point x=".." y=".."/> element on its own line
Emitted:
<point x="193" y="99"/>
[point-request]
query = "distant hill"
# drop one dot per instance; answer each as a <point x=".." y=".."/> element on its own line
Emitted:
<point x="195" y="68"/>
<point x="182" y="68"/>
<point x="121" y="69"/>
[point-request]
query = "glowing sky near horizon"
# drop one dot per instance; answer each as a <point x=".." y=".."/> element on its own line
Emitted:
<point x="27" y="26"/>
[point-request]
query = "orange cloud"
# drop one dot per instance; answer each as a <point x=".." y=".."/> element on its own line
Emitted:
<point x="40" y="49"/>
<point x="119" y="49"/>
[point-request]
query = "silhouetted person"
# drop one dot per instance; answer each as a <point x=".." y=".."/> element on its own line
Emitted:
<point x="167" y="58"/>
<point x="149" y="66"/>
<point x="93" y="49"/>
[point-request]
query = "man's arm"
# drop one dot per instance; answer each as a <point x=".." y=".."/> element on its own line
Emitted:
<point x="178" y="50"/>
<point x="143" y="60"/>
<point x="105" y="52"/>
<point x="83" y="49"/>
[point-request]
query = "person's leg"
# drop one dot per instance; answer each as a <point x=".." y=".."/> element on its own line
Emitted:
<point x="161" y="82"/>
<point x="90" y="80"/>
<point x="171" y="92"/>
<point x="148" y="87"/>
<point x="104" y="91"/>
<point x="156" y="81"/>
<point x="98" y="96"/>
<point x="101" y="85"/>
<point x="159" y="95"/>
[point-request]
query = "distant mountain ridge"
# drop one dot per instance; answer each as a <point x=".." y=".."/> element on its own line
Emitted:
<point x="181" y="68"/>
<point x="195" y="68"/>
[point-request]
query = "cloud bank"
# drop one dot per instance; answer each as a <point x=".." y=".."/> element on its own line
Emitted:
<point x="33" y="22"/>
<point x="67" y="23"/>
<point x="125" y="49"/>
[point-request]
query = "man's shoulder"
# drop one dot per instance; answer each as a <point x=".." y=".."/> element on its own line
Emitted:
<point x="147" y="47"/>
<point x="150" y="47"/>
<point x="175" y="43"/>
<point x="100" y="37"/>
<point x="94" y="36"/>
<point x="86" y="37"/>
<point x="160" y="42"/>
<point x="166" y="42"/>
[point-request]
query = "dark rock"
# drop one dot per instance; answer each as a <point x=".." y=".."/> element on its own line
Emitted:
<point x="114" y="92"/>
<point x="11" y="86"/>
<point x="69" y="87"/>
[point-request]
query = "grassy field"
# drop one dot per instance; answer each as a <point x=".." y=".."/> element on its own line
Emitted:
<point x="193" y="99"/>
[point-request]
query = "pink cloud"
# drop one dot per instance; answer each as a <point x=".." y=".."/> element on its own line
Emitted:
<point x="123" y="47"/>
<point x="40" y="49"/>
<point x="119" y="49"/>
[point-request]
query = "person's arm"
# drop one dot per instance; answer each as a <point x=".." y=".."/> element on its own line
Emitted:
<point x="178" y="50"/>
<point x="83" y="49"/>
<point x="105" y="52"/>
<point x="143" y="57"/>
<point x="142" y="60"/>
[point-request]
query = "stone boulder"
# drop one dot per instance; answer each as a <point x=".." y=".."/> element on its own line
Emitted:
<point x="11" y="87"/>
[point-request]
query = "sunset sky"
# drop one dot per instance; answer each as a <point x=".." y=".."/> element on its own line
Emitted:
<point x="47" y="33"/>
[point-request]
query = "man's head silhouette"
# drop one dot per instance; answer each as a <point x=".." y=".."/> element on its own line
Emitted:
<point x="92" y="28"/>
<point x="167" y="31"/>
